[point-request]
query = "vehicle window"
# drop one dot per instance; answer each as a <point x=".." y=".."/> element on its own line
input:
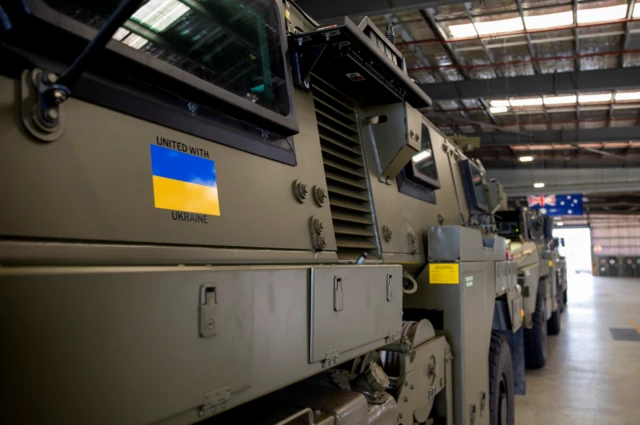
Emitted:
<point x="478" y="186"/>
<point x="235" y="45"/>
<point x="424" y="163"/>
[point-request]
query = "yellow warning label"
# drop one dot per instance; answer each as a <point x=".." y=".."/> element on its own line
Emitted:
<point x="444" y="274"/>
<point x="550" y="263"/>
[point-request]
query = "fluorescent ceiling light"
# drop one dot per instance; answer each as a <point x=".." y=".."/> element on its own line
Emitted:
<point x="526" y="101"/>
<point x="135" y="41"/>
<point x="525" y="159"/>
<point x="636" y="11"/>
<point x="499" y="103"/>
<point x="498" y="109"/>
<point x="550" y="20"/>
<point x="635" y="95"/>
<point x="421" y="156"/>
<point x="560" y="100"/>
<point x="538" y="185"/>
<point x="602" y="14"/>
<point x="120" y="34"/>
<point x="559" y="224"/>
<point x="486" y="28"/>
<point x="159" y="14"/>
<point x="594" y="98"/>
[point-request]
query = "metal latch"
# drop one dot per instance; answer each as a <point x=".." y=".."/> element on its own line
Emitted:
<point x="472" y="418"/>
<point x="338" y="294"/>
<point x="208" y="301"/>
<point x="331" y="358"/>
<point x="389" y="288"/>
<point x="483" y="402"/>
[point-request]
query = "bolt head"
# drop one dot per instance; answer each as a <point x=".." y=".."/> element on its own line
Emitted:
<point x="50" y="78"/>
<point x="412" y="387"/>
<point x="192" y="107"/>
<point x="200" y="413"/>
<point x="212" y="410"/>
<point x="51" y="114"/>
<point x="406" y="399"/>
<point x="210" y="324"/>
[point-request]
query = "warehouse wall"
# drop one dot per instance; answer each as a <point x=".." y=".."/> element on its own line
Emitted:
<point x="615" y="234"/>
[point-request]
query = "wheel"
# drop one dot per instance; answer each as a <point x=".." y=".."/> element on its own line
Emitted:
<point x="501" y="392"/>
<point x="535" y="339"/>
<point x="554" y="324"/>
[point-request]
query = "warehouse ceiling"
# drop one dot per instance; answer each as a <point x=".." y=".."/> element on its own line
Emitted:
<point x="554" y="80"/>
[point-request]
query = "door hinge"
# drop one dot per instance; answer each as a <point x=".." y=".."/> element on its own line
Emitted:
<point x="215" y="401"/>
<point x="331" y="358"/>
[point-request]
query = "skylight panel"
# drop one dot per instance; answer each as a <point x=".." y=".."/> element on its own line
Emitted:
<point x="486" y="28"/>
<point x="526" y="101"/>
<point x="498" y="109"/>
<point x="501" y="26"/>
<point x="159" y="14"/>
<point x="135" y="41"/>
<point x="602" y="14"/>
<point x="594" y="98"/>
<point x="499" y="103"/>
<point x="628" y="96"/>
<point x="549" y="20"/>
<point x="636" y="11"/>
<point x="560" y="100"/>
<point x="120" y="34"/>
<point x="462" y="31"/>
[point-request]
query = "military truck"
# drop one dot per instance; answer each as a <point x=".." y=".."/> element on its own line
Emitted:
<point x="542" y="273"/>
<point x="220" y="211"/>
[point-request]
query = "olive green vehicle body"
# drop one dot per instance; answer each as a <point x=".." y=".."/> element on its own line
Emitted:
<point x="121" y="312"/>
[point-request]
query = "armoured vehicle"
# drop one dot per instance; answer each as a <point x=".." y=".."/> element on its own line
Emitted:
<point x="219" y="211"/>
<point x="542" y="273"/>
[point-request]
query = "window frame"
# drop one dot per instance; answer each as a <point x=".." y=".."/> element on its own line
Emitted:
<point x="473" y="203"/>
<point x="287" y="124"/>
<point x="417" y="185"/>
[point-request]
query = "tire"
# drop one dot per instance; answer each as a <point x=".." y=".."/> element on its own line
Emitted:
<point x="554" y="324"/>
<point x="535" y="339"/>
<point x="501" y="391"/>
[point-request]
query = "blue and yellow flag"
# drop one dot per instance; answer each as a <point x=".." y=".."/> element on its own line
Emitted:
<point x="184" y="182"/>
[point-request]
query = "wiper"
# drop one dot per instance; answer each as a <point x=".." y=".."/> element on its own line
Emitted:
<point x="53" y="90"/>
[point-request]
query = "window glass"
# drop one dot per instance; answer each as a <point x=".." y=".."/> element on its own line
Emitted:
<point x="422" y="168"/>
<point x="424" y="162"/>
<point x="478" y="186"/>
<point x="232" y="44"/>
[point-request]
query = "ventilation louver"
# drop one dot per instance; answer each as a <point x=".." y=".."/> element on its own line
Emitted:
<point x="345" y="172"/>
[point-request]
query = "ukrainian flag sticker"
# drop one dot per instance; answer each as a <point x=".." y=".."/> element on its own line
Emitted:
<point x="183" y="182"/>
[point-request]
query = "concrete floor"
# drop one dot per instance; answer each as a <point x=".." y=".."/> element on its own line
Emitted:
<point x="589" y="379"/>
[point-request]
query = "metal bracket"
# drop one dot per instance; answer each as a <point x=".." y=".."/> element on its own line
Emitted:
<point x="41" y="112"/>
<point x="331" y="358"/>
<point x="207" y="311"/>
<point x="215" y="400"/>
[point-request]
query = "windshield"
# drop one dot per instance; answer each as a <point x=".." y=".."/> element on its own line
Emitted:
<point x="235" y="45"/>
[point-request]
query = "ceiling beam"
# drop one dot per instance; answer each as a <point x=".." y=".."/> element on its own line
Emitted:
<point x="331" y="9"/>
<point x="536" y="85"/>
<point x="567" y="136"/>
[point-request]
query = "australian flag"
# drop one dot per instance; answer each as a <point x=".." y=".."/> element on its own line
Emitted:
<point x="553" y="205"/>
